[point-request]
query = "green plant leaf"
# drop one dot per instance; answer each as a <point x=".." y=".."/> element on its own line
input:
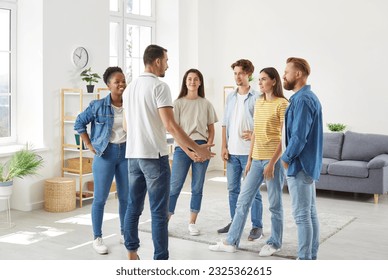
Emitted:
<point x="336" y="127"/>
<point x="88" y="76"/>
<point x="22" y="163"/>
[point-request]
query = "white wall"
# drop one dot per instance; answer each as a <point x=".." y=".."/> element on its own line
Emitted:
<point x="344" y="41"/>
<point x="167" y="36"/>
<point x="49" y="30"/>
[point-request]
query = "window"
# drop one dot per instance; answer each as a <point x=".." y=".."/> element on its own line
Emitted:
<point x="7" y="71"/>
<point x="132" y="29"/>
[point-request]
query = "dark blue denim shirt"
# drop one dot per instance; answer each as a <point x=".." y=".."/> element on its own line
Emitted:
<point x="100" y="115"/>
<point x="304" y="134"/>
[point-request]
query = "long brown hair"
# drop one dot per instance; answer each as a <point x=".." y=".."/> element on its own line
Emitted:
<point x="201" y="89"/>
<point x="274" y="75"/>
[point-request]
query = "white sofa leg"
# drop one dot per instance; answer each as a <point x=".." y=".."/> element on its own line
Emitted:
<point x="376" y="196"/>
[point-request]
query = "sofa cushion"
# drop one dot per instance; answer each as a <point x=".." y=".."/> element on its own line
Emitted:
<point x="325" y="164"/>
<point x="378" y="162"/>
<point x="332" y="144"/>
<point x="363" y="146"/>
<point x="349" y="168"/>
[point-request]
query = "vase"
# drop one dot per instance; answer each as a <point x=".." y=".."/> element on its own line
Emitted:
<point x="5" y="195"/>
<point x="90" y="88"/>
<point x="6" y="189"/>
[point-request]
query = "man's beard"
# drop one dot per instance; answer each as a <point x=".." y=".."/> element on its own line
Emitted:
<point x="289" y="85"/>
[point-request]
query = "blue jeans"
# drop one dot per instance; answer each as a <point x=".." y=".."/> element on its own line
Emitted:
<point x="251" y="186"/>
<point x="275" y="199"/>
<point x="152" y="176"/>
<point x="303" y="199"/>
<point x="180" y="166"/>
<point x="111" y="163"/>
<point x="235" y="168"/>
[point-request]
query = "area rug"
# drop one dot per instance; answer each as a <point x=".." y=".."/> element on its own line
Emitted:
<point x="215" y="214"/>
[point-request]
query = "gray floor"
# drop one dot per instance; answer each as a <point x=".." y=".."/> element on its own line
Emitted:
<point x="41" y="235"/>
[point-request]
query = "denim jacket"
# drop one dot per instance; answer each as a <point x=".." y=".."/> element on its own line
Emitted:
<point x="101" y="116"/>
<point x="304" y="134"/>
<point x="249" y="105"/>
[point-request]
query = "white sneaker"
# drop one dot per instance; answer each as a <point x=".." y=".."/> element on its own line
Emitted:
<point x="268" y="250"/>
<point x="99" y="246"/>
<point x="193" y="230"/>
<point x="222" y="247"/>
<point x="122" y="240"/>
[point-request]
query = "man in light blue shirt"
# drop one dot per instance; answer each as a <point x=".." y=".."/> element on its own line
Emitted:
<point x="237" y="127"/>
<point x="303" y="155"/>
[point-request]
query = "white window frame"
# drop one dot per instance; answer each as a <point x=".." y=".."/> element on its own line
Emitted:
<point x="123" y="18"/>
<point x="11" y="5"/>
<point x="120" y="43"/>
<point x="138" y="23"/>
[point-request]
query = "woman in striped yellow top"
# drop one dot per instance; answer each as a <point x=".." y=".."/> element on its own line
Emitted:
<point x="263" y="164"/>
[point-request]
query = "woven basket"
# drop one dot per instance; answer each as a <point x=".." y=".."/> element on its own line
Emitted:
<point x="59" y="194"/>
<point x="73" y="163"/>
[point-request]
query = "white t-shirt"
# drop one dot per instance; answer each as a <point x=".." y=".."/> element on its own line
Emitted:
<point x="238" y="123"/>
<point x="146" y="134"/>
<point x="118" y="134"/>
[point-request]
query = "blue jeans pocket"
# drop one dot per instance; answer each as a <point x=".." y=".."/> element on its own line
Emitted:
<point x="151" y="168"/>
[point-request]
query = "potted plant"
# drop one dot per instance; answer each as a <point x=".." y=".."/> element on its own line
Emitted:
<point x="336" y="127"/>
<point x="91" y="78"/>
<point x="23" y="163"/>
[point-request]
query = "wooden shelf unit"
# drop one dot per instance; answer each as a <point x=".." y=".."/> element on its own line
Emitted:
<point x="72" y="149"/>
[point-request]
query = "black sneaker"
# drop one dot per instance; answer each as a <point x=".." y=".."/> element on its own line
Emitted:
<point x="224" y="229"/>
<point x="256" y="233"/>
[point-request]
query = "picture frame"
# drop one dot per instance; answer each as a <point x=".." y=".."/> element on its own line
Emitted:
<point x="227" y="91"/>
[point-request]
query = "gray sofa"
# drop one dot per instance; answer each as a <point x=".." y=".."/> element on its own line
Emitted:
<point x="355" y="162"/>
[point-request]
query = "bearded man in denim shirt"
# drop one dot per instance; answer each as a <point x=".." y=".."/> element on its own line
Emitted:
<point x="302" y="157"/>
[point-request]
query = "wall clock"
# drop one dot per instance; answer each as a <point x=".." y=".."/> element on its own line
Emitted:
<point x="80" y="57"/>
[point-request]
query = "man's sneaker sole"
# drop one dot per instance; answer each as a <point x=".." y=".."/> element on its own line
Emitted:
<point x="252" y="238"/>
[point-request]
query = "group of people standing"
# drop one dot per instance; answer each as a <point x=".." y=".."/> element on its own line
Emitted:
<point x="264" y="137"/>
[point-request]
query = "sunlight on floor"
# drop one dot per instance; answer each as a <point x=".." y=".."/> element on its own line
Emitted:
<point x="29" y="237"/>
<point x="86" y="219"/>
<point x="89" y="242"/>
<point x="218" y="179"/>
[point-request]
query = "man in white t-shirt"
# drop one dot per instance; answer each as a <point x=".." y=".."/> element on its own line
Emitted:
<point x="237" y="127"/>
<point x="148" y="113"/>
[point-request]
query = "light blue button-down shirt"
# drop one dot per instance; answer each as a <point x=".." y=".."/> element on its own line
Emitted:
<point x="249" y="105"/>
<point x="304" y="134"/>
